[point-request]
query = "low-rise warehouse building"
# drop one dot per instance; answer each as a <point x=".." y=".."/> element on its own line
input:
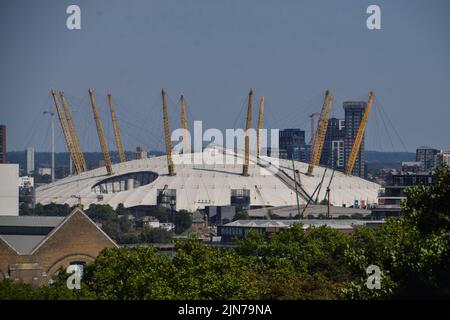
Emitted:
<point x="240" y="228"/>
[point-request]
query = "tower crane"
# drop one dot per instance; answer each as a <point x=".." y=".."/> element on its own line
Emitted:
<point x="73" y="133"/>
<point x="360" y="135"/>
<point x="101" y="134"/>
<point x="117" y="135"/>
<point x="66" y="132"/>
<point x="321" y="131"/>
<point x="247" y="137"/>
<point x="167" y="134"/>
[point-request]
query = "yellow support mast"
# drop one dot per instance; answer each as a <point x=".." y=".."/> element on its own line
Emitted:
<point x="260" y="125"/>
<point x="170" y="166"/>
<point x="247" y="137"/>
<point x="321" y="131"/>
<point x="360" y="135"/>
<point x="186" y="143"/>
<point x="66" y="132"/>
<point x="117" y="135"/>
<point x="101" y="134"/>
<point x="73" y="133"/>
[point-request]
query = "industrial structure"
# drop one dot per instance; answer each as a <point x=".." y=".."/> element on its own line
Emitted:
<point x="248" y="126"/>
<point x="140" y="183"/>
<point x="319" y="137"/>
<point x="172" y="180"/>
<point x="73" y="134"/>
<point x="355" y="151"/>
<point x="117" y="135"/>
<point x="101" y="134"/>
<point x="66" y="133"/>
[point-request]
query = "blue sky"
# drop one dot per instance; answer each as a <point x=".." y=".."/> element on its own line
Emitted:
<point x="213" y="52"/>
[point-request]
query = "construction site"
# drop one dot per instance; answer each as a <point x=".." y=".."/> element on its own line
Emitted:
<point x="257" y="179"/>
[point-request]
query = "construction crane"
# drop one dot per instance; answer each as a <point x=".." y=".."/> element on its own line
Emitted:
<point x="184" y="126"/>
<point x="73" y="133"/>
<point x="321" y="131"/>
<point x="260" y="125"/>
<point x="313" y="116"/>
<point x="167" y="135"/>
<point x="117" y="136"/>
<point x="247" y="137"/>
<point x="66" y="132"/>
<point x="360" y="135"/>
<point x="101" y="134"/>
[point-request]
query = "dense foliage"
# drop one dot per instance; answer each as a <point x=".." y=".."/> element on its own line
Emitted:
<point x="413" y="254"/>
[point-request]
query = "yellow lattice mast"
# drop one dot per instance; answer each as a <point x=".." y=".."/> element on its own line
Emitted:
<point x="101" y="134"/>
<point x="321" y="131"/>
<point x="247" y="136"/>
<point x="117" y="135"/>
<point x="66" y="132"/>
<point x="73" y="133"/>
<point x="170" y="166"/>
<point x="359" y="136"/>
<point x="186" y="143"/>
<point x="260" y="125"/>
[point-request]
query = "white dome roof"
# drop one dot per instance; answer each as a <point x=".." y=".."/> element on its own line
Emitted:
<point x="200" y="185"/>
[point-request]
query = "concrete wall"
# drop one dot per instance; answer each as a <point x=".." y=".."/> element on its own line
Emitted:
<point x="9" y="189"/>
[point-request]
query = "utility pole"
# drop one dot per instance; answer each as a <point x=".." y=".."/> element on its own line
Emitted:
<point x="52" y="117"/>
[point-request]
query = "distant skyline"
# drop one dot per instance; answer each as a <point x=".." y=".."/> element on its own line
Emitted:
<point x="213" y="52"/>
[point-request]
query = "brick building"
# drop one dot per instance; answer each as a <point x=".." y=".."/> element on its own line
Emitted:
<point x="33" y="248"/>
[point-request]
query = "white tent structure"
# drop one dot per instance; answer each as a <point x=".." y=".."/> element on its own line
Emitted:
<point x="208" y="183"/>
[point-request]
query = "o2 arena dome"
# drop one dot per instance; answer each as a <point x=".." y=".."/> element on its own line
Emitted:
<point x="213" y="182"/>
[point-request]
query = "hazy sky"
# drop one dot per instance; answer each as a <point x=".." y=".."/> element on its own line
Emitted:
<point x="213" y="52"/>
